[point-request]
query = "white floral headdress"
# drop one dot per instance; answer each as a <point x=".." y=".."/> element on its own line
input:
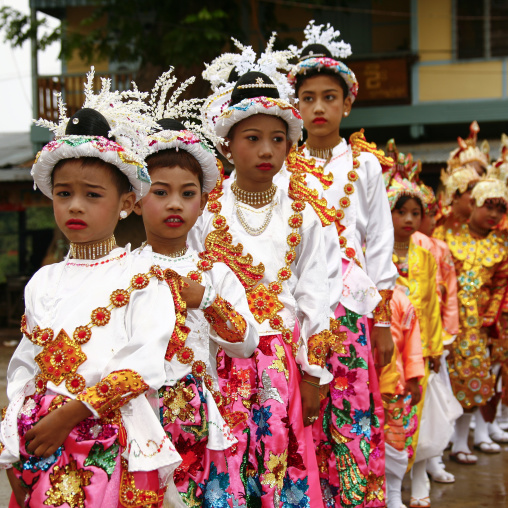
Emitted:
<point x="195" y="138"/>
<point x="129" y="124"/>
<point x="329" y="37"/>
<point x="273" y="63"/>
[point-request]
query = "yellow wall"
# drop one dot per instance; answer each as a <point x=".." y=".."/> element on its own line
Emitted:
<point x="435" y="29"/>
<point x="74" y="17"/>
<point x="475" y="80"/>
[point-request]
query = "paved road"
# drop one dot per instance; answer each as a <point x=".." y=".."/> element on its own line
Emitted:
<point x="482" y="486"/>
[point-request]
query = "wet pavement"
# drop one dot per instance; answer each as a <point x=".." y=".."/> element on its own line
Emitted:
<point x="484" y="485"/>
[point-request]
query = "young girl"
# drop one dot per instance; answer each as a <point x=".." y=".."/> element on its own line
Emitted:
<point x="284" y="272"/>
<point x="95" y="328"/>
<point x="480" y="256"/>
<point x="326" y="88"/>
<point x="417" y="274"/>
<point x="183" y="171"/>
<point x="400" y="403"/>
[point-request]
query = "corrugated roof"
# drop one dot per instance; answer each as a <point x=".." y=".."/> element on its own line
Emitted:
<point x="16" y="156"/>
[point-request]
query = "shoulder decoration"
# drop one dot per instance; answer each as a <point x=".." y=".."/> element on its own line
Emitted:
<point x="298" y="190"/>
<point x="296" y="161"/>
<point x="125" y="113"/>
<point x="358" y="141"/>
<point x="62" y="355"/>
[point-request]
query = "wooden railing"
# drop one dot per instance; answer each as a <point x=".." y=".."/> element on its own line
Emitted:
<point x="71" y="86"/>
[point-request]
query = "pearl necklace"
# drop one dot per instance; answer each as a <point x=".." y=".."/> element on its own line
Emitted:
<point x="254" y="198"/>
<point x="243" y="221"/>
<point x="92" y="250"/>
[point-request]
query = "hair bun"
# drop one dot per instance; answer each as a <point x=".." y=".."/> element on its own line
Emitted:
<point x="253" y="84"/>
<point x="170" y="124"/>
<point x="88" y="122"/>
<point x="315" y="51"/>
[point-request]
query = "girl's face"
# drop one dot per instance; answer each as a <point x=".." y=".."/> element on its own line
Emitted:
<point x="406" y="220"/>
<point x="86" y="202"/>
<point x="488" y="216"/>
<point x="428" y="223"/>
<point x="259" y="146"/>
<point x="322" y="106"/>
<point x="463" y="205"/>
<point x="171" y="208"/>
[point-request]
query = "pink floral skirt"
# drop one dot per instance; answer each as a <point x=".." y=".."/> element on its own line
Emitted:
<point x="202" y="478"/>
<point x="263" y="408"/>
<point x="348" y="435"/>
<point x="87" y="470"/>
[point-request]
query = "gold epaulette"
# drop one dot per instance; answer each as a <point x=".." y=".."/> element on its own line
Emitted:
<point x="298" y="190"/>
<point x="297" y="162"/>
<point x="219" y="247"/>
<point x="357" y="141"/>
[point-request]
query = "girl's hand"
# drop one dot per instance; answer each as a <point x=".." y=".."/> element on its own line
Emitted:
<point x="17" y="488"/>
<point x="310" y="399"/>
<point x="413" y="388"/>
<point x="435" y="364"/>
<point x="382" y="345"/>
<point x="48" y="434"/>
<point x="192" y="293"/>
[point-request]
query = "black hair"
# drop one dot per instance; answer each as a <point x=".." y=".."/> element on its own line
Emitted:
<point x="242" y="90"/>
<point x="171" y="158"/>
<point x="239" y="93"/>
<point x="404" y="199"/>
<point x="168" y="124"/>
<point x="470" y="187"/>
<point x="316" y="51"/>
<point x="88" y="122"/>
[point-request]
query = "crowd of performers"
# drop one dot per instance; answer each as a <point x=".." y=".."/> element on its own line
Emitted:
<point x="300" y="334"/>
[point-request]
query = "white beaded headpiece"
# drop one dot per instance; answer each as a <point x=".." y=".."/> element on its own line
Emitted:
<point x="129" y="124"/>
<point x="195" y="138"/>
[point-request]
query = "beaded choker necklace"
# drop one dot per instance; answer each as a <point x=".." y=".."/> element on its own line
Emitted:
<point x="93" y="250"/>
<point x="401" y="245"/>
<point x="254" y="198"/>
<point x="322" y="153"/>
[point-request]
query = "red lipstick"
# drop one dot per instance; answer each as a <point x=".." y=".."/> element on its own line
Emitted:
<point x="76" y="224"/>
<point x="319" y="120"/>
<point x="173" y="221"/>
<point x="266" y="166"/>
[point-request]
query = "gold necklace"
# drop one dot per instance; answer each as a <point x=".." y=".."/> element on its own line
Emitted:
<point x="254" y="198"/>
<point x="401" y="245"/>
<point x="322" y="153"/>
<point x="92" y="250"/>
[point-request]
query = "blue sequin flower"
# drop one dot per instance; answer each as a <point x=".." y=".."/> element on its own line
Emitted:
<point x="35" y="464"/>
<point x="362" y="339"/>
<point x="294" y="494"/>
<point x="214" y="489"/>
<point x="362" y="423"/>
<point x="329" y="493"/>
<point x="261" y="418"/>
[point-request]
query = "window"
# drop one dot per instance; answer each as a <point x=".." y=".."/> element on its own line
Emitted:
<point x="481" y="28"/>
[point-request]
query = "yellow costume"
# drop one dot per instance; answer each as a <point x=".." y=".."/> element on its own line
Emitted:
<point x="482" y="273"/>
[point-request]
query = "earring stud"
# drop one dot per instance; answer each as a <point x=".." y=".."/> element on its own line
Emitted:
<point x="123" y="214"/>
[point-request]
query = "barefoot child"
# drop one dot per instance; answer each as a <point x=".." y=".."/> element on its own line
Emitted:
<point x="183" y="171"/>
<point x="95" y="328"/>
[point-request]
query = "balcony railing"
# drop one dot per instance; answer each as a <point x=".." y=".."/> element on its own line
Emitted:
<point x="71" y="87"/>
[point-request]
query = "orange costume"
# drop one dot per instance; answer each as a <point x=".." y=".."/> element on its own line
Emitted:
<point x="407" y="362"/>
